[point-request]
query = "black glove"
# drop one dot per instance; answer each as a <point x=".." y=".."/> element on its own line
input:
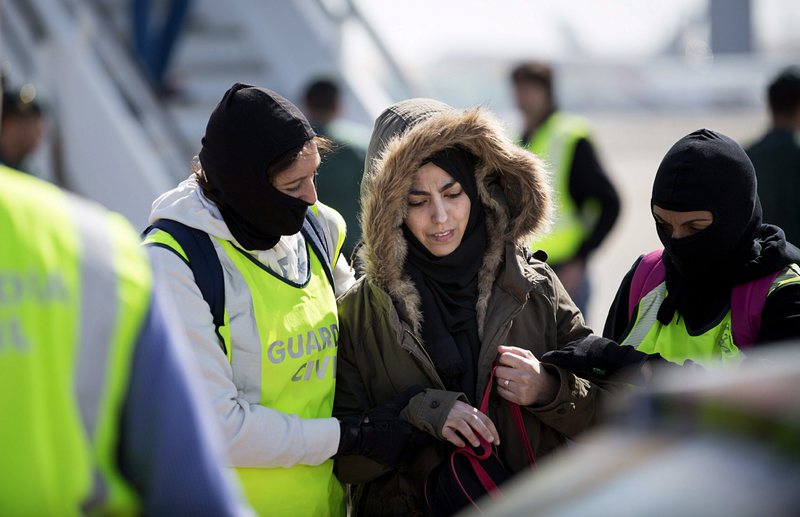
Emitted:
<point x="380" y="433"/>
<point x="598" y="358"/>
<point x="595" y="357"/>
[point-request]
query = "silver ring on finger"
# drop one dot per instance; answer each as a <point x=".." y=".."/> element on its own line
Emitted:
<point x="505" y="383"/>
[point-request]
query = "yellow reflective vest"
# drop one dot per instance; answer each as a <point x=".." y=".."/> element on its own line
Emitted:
<point x="554" y="142"/>
<point x="75" y="287"/>
<point x="297" y="325"/>
<point x="675" y="343"/>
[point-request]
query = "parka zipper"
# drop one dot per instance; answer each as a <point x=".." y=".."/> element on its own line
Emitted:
<point x="506" y="322"/>
<point x="502" y="328"/>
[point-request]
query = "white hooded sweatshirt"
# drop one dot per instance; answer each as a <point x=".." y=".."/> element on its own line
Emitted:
<point x="257" y="436"/>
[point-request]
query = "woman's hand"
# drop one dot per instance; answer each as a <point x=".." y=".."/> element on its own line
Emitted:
<point x="521" y="378"/>
<point x="468" y="421"/>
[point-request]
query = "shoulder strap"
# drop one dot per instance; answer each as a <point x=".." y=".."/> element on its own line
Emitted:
<point x="315" y="236"/>
<point x="747" y="302"/>
<point x="205" y="266"/>
<point x="649" y="273"/>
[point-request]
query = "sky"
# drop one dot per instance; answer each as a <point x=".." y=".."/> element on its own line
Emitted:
<point x="427" y="29"/>
<point x="461" y="50"/>
<point x="424" y="30"/>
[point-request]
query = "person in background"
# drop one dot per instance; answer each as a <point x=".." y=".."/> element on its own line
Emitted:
<point x="776" y="156"/>
<point x="155" y="34"/>
<point x="725" y="281"/>
<point x="340" y="172"/>
<point x="98" y="392"/>
<point x="587" y="205"/>
<point x="22" y="127"/>
<point x="269" y="354"/>
<point x="450" y="289"/>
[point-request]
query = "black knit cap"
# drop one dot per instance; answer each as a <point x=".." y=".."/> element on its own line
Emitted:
<point x="248" y="130"/>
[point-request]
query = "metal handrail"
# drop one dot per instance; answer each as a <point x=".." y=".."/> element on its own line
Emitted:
<point x="130" y="82"/>
<point x="394" y="67"/>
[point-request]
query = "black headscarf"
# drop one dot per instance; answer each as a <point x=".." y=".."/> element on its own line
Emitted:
<point x="706" y="170"/>
<point x="448" y="286"/>
<point x="249" y="129"/>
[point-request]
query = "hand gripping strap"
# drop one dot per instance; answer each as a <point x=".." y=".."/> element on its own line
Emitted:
<point x="519" y="423"/>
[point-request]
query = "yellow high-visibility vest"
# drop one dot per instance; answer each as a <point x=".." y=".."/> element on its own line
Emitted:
<point x="298" y="333"/>
<point x="554" y="142"/>
<point x="712" y="347"/>
<point x="75" y="287"/>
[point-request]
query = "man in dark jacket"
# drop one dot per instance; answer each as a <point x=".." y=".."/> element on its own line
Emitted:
<point x="587" y="203"/>
<point x="776" y="155"/>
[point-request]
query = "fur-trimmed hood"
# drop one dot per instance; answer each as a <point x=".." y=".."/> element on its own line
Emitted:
<point x="512" y="186"/>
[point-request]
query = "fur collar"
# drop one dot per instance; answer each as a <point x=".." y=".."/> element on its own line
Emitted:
<point x="512" y="185"/>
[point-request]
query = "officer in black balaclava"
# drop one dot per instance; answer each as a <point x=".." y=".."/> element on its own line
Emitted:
<point x="250" y="129"/>
<point x="708" y="217"/>
<point x="708" y="171"/>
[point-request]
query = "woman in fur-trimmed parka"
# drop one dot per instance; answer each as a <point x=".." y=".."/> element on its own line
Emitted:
<point x="449" y="291"/>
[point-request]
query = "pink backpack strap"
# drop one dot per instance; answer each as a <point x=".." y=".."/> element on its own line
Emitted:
<point x="747" y="303"/>
<point x="649" y="273"/>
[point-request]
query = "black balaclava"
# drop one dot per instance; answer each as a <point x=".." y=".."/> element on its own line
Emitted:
<point x="448" y="286"/>
<point x="249" y="129"/>
<point x="706" y="170"/>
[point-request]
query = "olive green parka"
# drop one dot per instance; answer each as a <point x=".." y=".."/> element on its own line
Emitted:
<point x="521" y="303"/>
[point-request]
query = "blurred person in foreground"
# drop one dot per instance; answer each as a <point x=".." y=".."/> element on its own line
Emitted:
<point x="341" y="169"/>
<point x="22" y="127"/>
<point x="267" y="339"/>
<point x="776" y="156"/>
<point x="450" y="290"/>
<point x="587" y="205"/>
<point x="98" y="395"/>
<point x="724" y="283"/>
<point x="723" y="443"/>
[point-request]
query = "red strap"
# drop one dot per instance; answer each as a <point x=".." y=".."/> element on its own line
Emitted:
<point x="458" y="480"/>
<point x="484" y="477"/>
<point x="487" y="392"/>
<point x="747" y="303"/>
<point x="518" y="423"/>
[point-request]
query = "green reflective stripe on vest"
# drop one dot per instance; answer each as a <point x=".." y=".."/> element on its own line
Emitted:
<point x="790" y="275"/>
<point x="554" y="142"/>
<point x="341" y="225"/>
<point x="713" y="347"/>
<point x="161" y="238"/>
<point x="674" y="342"/>
<point x="59" y="438"/>
<point x="298" y="331"/>
<point x="342" y="233"/>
